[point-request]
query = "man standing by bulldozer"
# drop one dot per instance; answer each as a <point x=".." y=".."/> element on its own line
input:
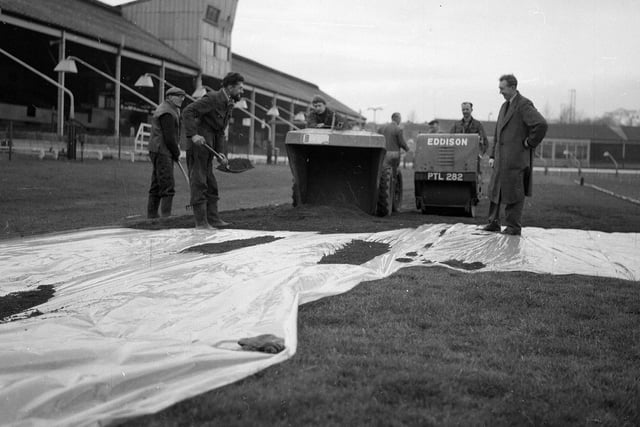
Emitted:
<point x="519" y="130"/>
<point x="205" y="121"/>
<point x="470" y="125"/>
<point x="163" y="151"/>
<point x="394" y="138"/>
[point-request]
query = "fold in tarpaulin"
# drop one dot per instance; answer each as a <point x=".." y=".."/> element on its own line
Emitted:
<point x="137" y="323"/>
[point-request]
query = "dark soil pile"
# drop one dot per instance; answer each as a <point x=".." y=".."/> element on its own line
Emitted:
<point x="323" y="219"/>
<point x="356" y="252"/>
<point x="231" y="245"/>
<point x="18" y="302"/>
<point x="464" y="265"/>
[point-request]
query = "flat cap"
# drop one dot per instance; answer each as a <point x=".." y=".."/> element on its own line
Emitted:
<point x="176" y="91"/>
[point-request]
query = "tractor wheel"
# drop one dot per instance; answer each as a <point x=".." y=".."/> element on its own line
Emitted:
<point x="397" y="192"/>
<point x="294" y="195"/>
<point x="385" y="197"/>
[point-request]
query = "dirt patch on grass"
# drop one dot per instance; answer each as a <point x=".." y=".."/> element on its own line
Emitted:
<point x="456" y="263"/>
<point x="231" y="245"/>
<point x="18" y="302"/>
<point x="356" y="252"/>
<point x="322" y="219"/>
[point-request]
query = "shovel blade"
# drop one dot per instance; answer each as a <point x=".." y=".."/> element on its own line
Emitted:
<point x="236" y="165"/>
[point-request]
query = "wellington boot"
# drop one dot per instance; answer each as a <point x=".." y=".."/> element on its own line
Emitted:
<point x="200" y="215"/>
<point x="152" y="206"/>
<point x="212" y="215"/>
<point x="165" y="206"/>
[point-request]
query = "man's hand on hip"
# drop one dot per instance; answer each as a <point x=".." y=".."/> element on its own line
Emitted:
<point x="491" y="162"/>
<point x="198" y="140"/>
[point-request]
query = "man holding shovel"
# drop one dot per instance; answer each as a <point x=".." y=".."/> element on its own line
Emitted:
<point x="205" y="121"/>
<point x="163" y="151"/>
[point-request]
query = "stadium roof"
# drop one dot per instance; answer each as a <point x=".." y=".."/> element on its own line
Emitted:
<point x="97" y="21"/>
<point x="264" y="77"/>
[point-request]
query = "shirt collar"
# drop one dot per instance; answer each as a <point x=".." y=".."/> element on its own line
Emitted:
<point x="226" y="95"/>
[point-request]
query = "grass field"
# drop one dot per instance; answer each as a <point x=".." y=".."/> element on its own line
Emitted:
<point x="425" y="346"/>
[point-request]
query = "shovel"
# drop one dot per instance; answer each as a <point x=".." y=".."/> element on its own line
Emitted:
<point x="233" y="165"/>
<point x="186" y="177"/>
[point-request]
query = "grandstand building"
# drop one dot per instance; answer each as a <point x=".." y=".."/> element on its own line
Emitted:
<point x="185" y="43"/>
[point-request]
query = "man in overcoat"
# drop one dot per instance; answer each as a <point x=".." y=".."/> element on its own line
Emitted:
<point x="519" y="130"/>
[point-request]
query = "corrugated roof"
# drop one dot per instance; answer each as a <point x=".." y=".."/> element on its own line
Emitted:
<point x="581" y="131"/>
<point x="632" y="132"/>
<point x="95" y="20"/>
<point x="264" y="77"/>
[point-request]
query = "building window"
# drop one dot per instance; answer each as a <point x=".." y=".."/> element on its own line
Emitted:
<point x="209" y="47"/>
<point x="222" y="52"/>
<point x="212" y="15"/>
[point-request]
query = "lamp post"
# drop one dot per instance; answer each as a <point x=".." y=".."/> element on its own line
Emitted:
<point x="571" y="155"/>
<point x="47" y="78"/>
<point x="68" y="65"/>
<point x="374" y="109"/>
<point x="146" y="81"/>
<point x="607" y="154"/>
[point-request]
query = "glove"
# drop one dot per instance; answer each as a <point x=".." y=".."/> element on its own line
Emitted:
<point x="198" y="140"/>
<point x="266" y="343"/>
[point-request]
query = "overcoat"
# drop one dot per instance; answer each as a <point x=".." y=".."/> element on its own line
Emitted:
<point x="513" y="167"/>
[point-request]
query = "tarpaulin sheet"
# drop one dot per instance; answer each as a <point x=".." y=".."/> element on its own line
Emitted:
<point x="136" y="324"/>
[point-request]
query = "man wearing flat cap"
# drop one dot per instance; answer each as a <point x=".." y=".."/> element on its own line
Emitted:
<point x="321" y="116"/>
<point x="163" y="151"/>
<point x="205" y="121"/>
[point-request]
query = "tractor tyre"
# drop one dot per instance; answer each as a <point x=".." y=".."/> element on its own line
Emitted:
<point x="397" y="192"/>
<point x="385" y="196"/>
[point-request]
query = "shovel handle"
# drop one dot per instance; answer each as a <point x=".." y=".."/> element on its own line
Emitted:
<point x="186" y="177"/>
<point x="215" y="153"/>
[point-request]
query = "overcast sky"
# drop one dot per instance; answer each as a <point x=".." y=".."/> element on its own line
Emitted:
<point x="423" y="57"/>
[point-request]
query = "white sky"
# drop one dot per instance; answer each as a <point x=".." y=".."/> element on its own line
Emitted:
<point x="424" y="57"/>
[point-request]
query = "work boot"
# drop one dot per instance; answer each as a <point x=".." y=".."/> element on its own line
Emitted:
<point x="152" y="206"/>
<point x="165" y="206"/>
<point x="212" y="215"/>
<point x="200" y="215"/>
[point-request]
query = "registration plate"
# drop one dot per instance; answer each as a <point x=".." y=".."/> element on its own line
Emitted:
<point x="445" y="176"/>
<point x="315" y="138"/>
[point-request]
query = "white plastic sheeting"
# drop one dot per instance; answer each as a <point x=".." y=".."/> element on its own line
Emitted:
<point x="136" y="326"/>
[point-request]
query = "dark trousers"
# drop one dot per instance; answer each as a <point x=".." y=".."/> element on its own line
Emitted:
<point x="512" y="213"/>
<point x="204" y="186"/>
<point x="162" y="182"/>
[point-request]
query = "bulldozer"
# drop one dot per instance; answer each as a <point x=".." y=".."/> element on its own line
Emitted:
<point x="447" y="172"/>
<point x="342" y="167"/>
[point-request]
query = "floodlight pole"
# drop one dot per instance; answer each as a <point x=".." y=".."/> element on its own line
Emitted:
<point x="160" y="79"/>
<point x="276" y="117"/>
<point x="107" y="76"/>
<point x="607" y="154"/>
<point x="49" y="79"/>
<point x="374" y="109"/>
